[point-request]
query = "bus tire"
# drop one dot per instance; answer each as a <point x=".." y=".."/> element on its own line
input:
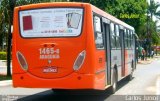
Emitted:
<point x="130" y="76"/>
<point x="113" y="88"/>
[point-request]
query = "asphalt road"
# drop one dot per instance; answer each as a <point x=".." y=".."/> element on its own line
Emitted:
<point x="142" y="85"/>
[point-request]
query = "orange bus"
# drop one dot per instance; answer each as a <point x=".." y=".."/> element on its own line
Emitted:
<point x="70" y="46"/>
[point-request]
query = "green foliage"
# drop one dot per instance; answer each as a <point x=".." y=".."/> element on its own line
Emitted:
<point x="130" y="7"/>
<point x="79" y="0"/>
<point x="154" y="34"/>
<point x="155" y="39"/>
<point x="25" y="2"/>
<point x="153" y="9"/>
<point x="3" y="55"/>
<point x="102" y="4"/>
<point x="4" y="77"/>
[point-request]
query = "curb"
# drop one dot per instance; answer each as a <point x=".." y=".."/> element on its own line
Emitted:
<point x="158" y="86"/>
<point x="148" y="61"/>
<point x="145" y="62"/>
<point x="5" y="83"/>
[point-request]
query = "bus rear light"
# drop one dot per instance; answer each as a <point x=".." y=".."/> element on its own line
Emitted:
<point x="22" y="61"/>
<point x="79" y="61"/>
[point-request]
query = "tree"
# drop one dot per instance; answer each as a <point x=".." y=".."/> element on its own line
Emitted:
<point x="132" y="12"/>
<point x="4" y="18"/>
<point x="102" y="4"/>
<point x="153" y="9"/>
<point x="79" y="0"/>
<point x="58" y="0"/>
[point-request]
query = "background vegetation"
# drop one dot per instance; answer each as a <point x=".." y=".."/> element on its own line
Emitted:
<point x="3" y="56"/>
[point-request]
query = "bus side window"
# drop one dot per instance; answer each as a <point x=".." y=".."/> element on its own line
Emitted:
<point x="132" y="42"/>
<point x="126" y="38"/>
<point x="113" y="37"/>
<point x="117" y="36"/>
<point x="98" y="33"/>
<point x="130" y="38"/>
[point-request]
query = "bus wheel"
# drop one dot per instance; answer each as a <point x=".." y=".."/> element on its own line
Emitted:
<point x="130" y="76"/>
<point x="114" y="82"/>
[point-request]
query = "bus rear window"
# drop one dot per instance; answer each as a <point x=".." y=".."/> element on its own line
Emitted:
<point x="51" y="22"/>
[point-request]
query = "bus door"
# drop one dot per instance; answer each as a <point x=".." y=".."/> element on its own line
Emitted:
<point x="122" y="50"/>
<point x="106" y="31"/>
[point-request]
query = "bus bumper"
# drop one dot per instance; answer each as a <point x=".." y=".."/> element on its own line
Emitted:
<point x="73" y="81"/>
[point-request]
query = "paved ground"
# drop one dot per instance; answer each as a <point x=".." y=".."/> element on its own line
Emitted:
<point x="144" y="81"/>
<point x="3" y="67"/>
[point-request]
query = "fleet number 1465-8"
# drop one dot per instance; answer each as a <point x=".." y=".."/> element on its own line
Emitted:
<point x="48" y="51"/>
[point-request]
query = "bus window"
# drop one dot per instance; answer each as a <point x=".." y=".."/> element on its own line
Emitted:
<point x="51" y="22"/>
<point x="129" y="39"/>
<point x="113" y="37"/>
<point x="126" y="38"/>
<point x="132" y="43"/>
<point x="98" y="33"/>
<point x="117" y="36"/>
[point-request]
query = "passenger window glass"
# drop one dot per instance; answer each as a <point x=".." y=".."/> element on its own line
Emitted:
<point x="117" y="37"/>
<point x="99" y="41"/>
<point x="97" y="23"/>
<point x="132" y="39"/>
<point x="126" y="38"/>
<point x="113" y="37"/>
<point x="117" y="30"/>
<point x="112" y="29"/>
